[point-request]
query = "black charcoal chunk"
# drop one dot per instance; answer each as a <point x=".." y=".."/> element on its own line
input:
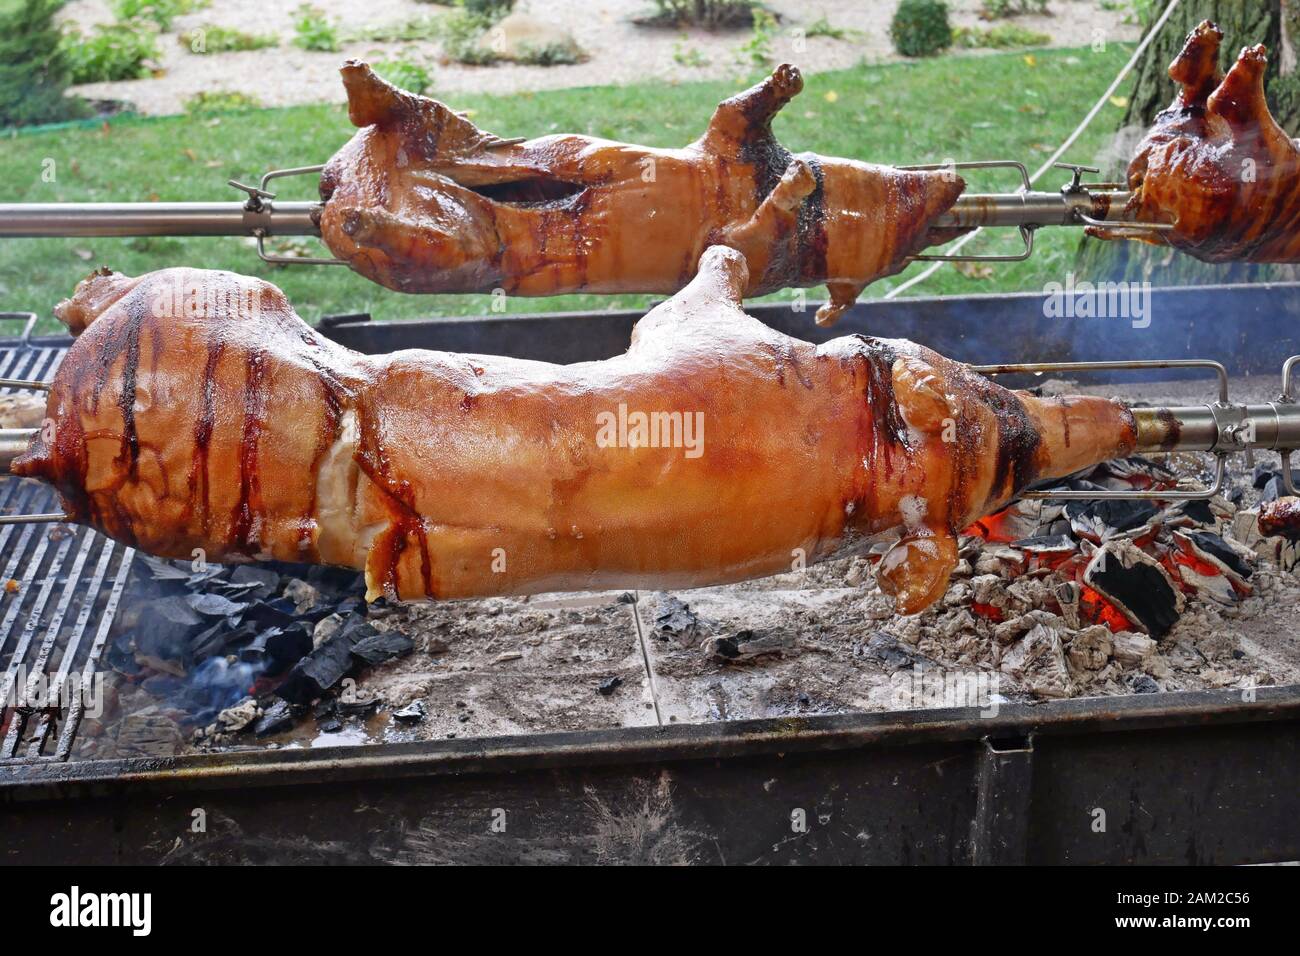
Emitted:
<point x="278" y="717"/>
<point x="214" y="605"/>
<point x="1214" y="545"/>
<point x="1144" y="684"/>
<point x="412" y="713"/>
<point x="383" y="646"/>
<point x="607" y="687"/>
<point x="318" y="671"/>
<point x="265" y="581"/>
<point x="676" y="622"/>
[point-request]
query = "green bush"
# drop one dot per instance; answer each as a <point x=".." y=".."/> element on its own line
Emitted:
<point x="709" y="14"/>
<point x="405" y="74"/>
<point x="1004" y="36"/>
<point x="215" y="39"/>
<point x="34" y="67"/>
<point x="461" y="31"/>
<point x="920" y="28"/>
<point x="112" y="51"/>
<point x="161" y="12"/>
<point x="313" y="31"/>
<point x="549" y="54"/>
<point x="490" y="9"/>
<point x="995" y="9"/>
<point x="220" y="101"/>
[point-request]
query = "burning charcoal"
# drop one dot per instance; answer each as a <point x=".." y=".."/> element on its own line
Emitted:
<point x="278" y="717"/>
<point x="1001" y="560"/>
<point x="676" y="622"/>
<point x="163" y="570"/>
<point x="1144" y="684"/>
<point x="1101" y="520"/>
<point x="280" y="611"/>
<point x="1212" y="566"/>
<point x="1280" y="517"/>
<point x="176" y="609"/>
<point x="1019" y="520"/>
<point x="239" y="716"/>
<point x="1038" y="659"/>
<point x="214" y="605"/>
<point x="607" y="687"/>
<point x="888" y="650"/>
<point x="1089" y="649"/>
<point x="260" y="582"/>
<point x="349" y="706"/>
<point x="1136" y="585"/>
<point x="383" y="646"/>
<point x="412" y="713"/>
<point x="1047" y="551"/>
<point x="120" y="658"/>
<point x="318" y="671"/>
<point x="1015" y="628"/>
<point x="747" y="645"/>
<point x="220" y="639"/>
<point x="349" y="606"/>
<point x="1132" y="649"/>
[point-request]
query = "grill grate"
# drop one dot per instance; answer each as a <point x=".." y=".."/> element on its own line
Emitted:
<point x="69" y="582"/>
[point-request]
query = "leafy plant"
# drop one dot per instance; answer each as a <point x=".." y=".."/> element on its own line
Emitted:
<point x="405" y="73"/>
<point x="549" y="54"/>
<point x="220" y="101"/>
<point x="112" y="51"/>
<point x="461" y="33"/>
<point x="821" y="27"/>
<point x="492" y="10"/>
<point x="684" y="55"/>
<point x="215" y="39"/>
<point x="34" y="67"/>
<point x="161" y="12"/>
<point x="313" y="31"/>
<point x="921" y="28"/>
<point x="1004" y="36"/>
<point x="709" y="14"/>
<point x="417" y="28"/>
<point x="997" y="9"/>
<point x="757" y="50"/>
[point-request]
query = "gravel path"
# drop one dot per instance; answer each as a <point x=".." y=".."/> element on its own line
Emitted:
<point x="620" y="52"/>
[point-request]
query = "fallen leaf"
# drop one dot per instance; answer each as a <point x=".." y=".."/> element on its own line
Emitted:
<point x="213" y="164"/>
<point x="84" y="254"/>
<point x="190" y="155"/>
<point x="1030" y="60"/>
<point x="1120" y="101"/>
<point x="974" y="270"/>
<point x="831" y="96"/>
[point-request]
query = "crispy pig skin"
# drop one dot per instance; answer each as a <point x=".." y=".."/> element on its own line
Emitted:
<point x="421" y="200"/>
<point x="1216" y="163"/>
<point x="197" y="411"/>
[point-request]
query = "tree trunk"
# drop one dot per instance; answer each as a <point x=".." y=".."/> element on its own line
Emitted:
<point x="1276" y="24"/>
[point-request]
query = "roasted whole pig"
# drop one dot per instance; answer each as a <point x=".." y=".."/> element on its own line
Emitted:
<point x="1216" y="163"/>
<point x="421" y="200"/>
<point x="196" y="411"/>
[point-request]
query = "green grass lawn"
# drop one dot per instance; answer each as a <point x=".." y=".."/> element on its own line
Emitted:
<point x="1010" y="106"/>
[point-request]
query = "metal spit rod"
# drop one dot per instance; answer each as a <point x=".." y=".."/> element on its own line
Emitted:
<point x="1075" y="204"/>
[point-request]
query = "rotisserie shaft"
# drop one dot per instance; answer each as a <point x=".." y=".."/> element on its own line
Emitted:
<point x="1216" y="163"/>
<point x="421" y="200"/>
<point x="196" y="411"/>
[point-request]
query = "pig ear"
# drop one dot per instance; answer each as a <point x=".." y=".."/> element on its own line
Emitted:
<point x="1196" y="68"/>
<point x="916" y="569"/>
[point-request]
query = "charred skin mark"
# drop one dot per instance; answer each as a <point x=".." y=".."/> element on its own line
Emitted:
<point x="199" y="480"/>
<point x="784" y="354"/>
<point x="811" y="237"/>
<point x="882" y="431"/>
<point x="1018" y="439"/>
<point x="250" y="488"/>
<point x="399" y="497"/>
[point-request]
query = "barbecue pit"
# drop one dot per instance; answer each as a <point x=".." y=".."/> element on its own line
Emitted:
<point x="1015" y="779"/>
